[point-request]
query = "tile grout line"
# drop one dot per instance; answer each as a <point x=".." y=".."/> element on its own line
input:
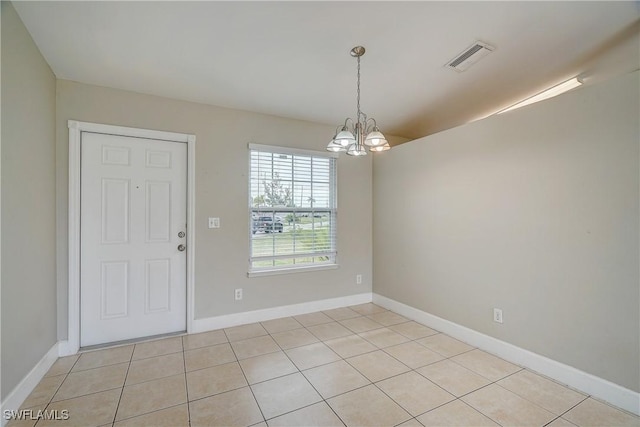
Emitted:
<point x="534" y="403"/>
<point x="121" y="363"/>
<point x="148" y="413"/>
<point x="245" y="376"/>
<point x="143" y="382"/>
<point x="186" y="385"/>
<point x="475" y="390"/>
<point x="310" y="383"/>
<point x="393" y="400"/>
<point x="115" y="414"/>
<point x="551" y="422"/>
<point x="299" y="372"/>
<point x="57" y="388"/>
<point x="568" y="410"/>
<point x="150" y="357"/>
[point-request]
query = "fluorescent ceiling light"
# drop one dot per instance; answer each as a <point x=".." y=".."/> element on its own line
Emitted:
<point x="549" y="93"/>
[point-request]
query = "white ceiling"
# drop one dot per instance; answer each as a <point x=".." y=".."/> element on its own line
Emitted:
<point x="292" y="59"/>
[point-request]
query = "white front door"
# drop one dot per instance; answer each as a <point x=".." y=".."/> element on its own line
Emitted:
<point x="133" y="237"/>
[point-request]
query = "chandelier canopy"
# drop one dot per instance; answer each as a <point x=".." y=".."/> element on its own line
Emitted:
<point x="354" y="135"/>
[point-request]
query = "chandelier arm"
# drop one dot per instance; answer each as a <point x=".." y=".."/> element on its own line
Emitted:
<point x="346" y="121"/>
<point x="368" y="123"/>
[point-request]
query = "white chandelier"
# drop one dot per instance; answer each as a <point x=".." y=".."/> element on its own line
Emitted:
<point x="363" y="132"/>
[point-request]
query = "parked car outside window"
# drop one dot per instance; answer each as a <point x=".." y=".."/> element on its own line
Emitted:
<point x="267" y="224"/>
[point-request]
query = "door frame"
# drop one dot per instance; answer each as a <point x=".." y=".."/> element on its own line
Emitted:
<point x="75" y="137"/>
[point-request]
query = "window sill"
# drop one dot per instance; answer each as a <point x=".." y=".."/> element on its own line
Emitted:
<point x="260" y="273"/>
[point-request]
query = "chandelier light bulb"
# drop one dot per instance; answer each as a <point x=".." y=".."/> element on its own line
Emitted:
<point x="379" y="148"/>
<point x="344" y="137"/>
<point x="335" y="147"/>
<point x="375" y="138"/>
<point x="356" y="150"/>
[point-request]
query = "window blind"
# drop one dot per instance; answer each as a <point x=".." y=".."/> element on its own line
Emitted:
<point x="292" y="208"/>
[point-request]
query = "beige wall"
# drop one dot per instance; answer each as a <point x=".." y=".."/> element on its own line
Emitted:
<point x="222" y="191"/>
<point x="28" y="203"/>
<point x="534" y="212"/>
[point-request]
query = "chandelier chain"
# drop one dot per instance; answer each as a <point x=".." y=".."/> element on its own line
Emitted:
<point x="358" y="113"/>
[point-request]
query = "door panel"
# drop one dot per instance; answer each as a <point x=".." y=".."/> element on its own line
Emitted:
<point x="115" y="211"/>
<point x="133" y="205"/>
<point x="158" y="211"/>
<point x="114" y="289"/>
<point x="158" y="291"/>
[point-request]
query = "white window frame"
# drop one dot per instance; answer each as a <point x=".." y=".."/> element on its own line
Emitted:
<point x="333" y="212"/>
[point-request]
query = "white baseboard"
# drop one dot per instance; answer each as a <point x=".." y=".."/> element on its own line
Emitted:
<point x="228" y="320"/>
<point x="18" y="395"/>
<point x="600" y="388"/>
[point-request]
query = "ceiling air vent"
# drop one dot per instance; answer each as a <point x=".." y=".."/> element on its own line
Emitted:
<point x="470" y="56"/>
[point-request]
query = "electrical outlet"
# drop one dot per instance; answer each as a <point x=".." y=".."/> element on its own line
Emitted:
<point x="497" y="315"/>
<point x="214" y="222"/>
<point x="358" y="279"/>
<point x="238" y="294"/>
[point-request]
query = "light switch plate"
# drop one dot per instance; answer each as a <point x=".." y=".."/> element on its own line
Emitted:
<point x="214" y="222"/>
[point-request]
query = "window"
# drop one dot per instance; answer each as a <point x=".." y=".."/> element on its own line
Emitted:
<point x="292" y="208"/>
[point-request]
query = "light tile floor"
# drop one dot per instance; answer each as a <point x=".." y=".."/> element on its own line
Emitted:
<point x="355" y="366"/>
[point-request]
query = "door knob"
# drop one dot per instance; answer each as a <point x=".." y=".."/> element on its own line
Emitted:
<point x="181" y="248"/>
